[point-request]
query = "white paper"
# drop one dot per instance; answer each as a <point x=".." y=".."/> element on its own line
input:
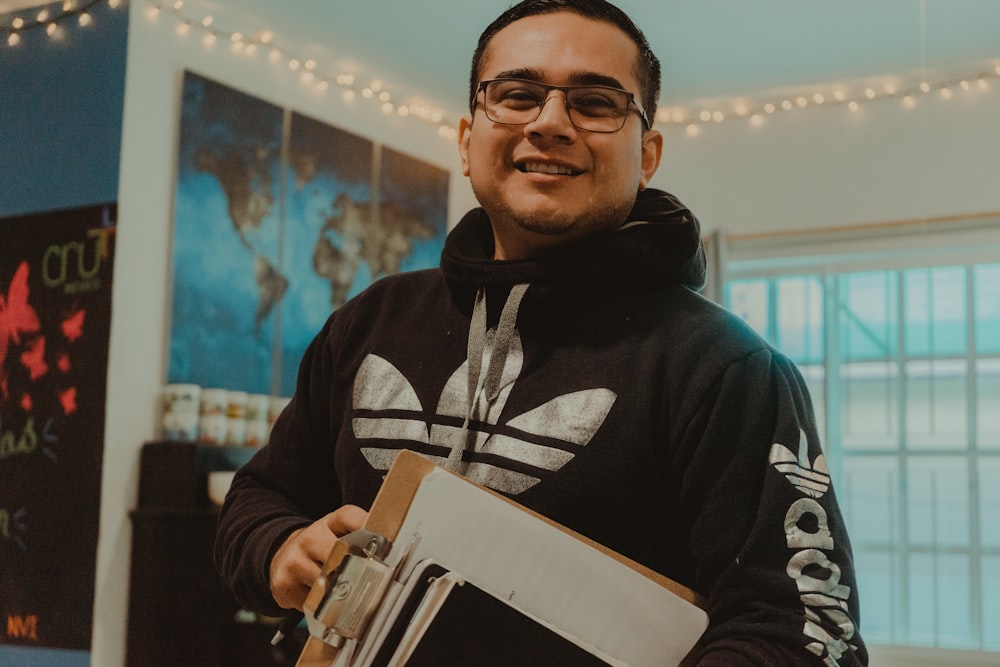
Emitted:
<point x="548" y="573"/>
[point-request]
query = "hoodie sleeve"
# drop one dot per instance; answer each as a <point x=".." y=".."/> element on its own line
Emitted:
<point x="767" y="538"/>
<point x="288" y="484"/>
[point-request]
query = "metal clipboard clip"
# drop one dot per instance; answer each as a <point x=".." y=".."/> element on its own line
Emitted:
<point x="352" y="590"/>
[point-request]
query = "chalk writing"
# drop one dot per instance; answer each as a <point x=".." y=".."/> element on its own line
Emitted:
<point x="22" y="627"/>
<point x="13" y="527"/>
<point x="59" y="269"/>
<point x="12" y="444"/>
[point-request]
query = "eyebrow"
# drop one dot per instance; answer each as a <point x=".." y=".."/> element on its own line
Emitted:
<point x="576" y="78"/>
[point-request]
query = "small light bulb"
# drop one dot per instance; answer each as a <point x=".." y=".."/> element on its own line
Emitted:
<point x="274" y="56"/>
<point x="818" y="98"/>
<point x="997" y="70"/>
<point x="786" y="105"/>
<point x="403" y="111"/>
<point x="293" y="64"/>
<point x="802" y="102"/>
<point x="250" y="49"/>
<point x="266" y="37"/>
<point x="310" y="65"/>
<point x="756" y="120"/>
<point x="387" y="108"/>
<point x="964" y="84"/>
<point x="718" y="116"/>
<point x="69" y="5"/>
<point x="183" y="28"/>
<point x="152" y="12"/>
<point x="236" y="37"/>
<point x="852" y="105"/>
<point x="376" y="85"/>
<point x="870" y="93"/>
<point x="946" y="93"/>
<point x="839" y="95"/>
<point x="367" y="93"/>
<point x="207" y="21"/>
<point x="208" y="39"/>
<point x="909" y="102"/>
<point x="890" y="89"/>
<point x="43" y="16"/>
<point x="85" y="19"/>
<point x="50" y="29"/>
<point x="114" y="4"/>
<point x="436" y="117"/>
<point x="17" y="23"/>
<point x="13" y="39"/>
<point x="692" y="130"/>
<point x="384" y="96"/>
<point x="925" y="87"/>
<point x="322" y="85"/>
<point x="741" y="110"/>
<point x="981" y="82"/>
<point x="677" y="116"/>
<point x="705" y="116"/>
<point x="348" y="95"/>
<point x="769" y="108"/>
<point x="178" y="5"/>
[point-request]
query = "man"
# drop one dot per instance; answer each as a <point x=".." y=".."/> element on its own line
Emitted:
<point x="561" y="356"/>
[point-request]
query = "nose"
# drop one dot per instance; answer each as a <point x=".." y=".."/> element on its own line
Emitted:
<point x="553" y="119"/>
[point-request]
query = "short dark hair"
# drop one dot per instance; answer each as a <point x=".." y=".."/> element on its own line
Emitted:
<point x="647" y="65"/>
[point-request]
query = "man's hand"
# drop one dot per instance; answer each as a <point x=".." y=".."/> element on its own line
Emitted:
<point x="298" y="561"/>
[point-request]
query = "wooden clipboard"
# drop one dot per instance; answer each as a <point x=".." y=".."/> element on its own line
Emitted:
<point x="386" y="518"/>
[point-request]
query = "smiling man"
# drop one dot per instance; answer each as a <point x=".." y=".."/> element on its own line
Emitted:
<point x="562" y="356"/>
<point x="548" y="165"/>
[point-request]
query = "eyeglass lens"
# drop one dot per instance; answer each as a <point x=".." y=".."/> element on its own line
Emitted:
<point x="594" y="108"/>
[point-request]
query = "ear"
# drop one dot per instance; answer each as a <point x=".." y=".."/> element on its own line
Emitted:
<point x="652" y="149"/>
<point x="464" y="135"/>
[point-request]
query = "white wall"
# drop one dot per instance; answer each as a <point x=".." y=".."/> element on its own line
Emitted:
<point x="813" y="168"/>
<point x="826" y="166"/>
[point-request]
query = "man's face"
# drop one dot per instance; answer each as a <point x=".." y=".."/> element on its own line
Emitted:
<point x="548" y="182"/>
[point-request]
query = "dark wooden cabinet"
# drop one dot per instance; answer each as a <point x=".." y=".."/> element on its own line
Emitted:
<point x="180" y="612"/>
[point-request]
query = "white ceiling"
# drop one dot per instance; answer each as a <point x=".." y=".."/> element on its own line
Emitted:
<point x="710" y="49"/>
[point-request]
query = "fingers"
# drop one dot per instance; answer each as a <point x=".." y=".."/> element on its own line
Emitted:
<point x="298" y="561"/>
<point x="346" y="519"/>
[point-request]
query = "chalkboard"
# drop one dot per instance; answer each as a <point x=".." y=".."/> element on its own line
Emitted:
<point x="55" y="311"/>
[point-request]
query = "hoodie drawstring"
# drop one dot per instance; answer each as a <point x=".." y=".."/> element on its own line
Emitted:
<point x="487" y="384"/>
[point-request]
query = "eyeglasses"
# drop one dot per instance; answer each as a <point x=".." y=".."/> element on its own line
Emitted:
<point x="590" y="108"/>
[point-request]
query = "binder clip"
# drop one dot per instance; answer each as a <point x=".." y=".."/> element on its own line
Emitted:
<point x="351" y="590"/>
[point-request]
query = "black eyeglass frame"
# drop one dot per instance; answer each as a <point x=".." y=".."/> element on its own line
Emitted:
<point x="565" y="89"/>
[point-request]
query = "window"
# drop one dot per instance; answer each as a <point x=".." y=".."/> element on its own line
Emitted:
<point x="903" y="365"/>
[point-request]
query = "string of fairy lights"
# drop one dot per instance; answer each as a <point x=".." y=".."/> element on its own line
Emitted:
<point x="909" y="97"/>
<point x="266" y="45"/>
<point x="52" y="19"/>
<point x="311" y="73"/>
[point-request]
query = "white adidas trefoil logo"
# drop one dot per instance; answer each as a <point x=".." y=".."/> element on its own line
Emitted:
<point x="824" y="599"/>
<point x="387" y="408"/>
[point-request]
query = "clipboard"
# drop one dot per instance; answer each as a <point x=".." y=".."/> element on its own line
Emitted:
<point x="425" y="512"/>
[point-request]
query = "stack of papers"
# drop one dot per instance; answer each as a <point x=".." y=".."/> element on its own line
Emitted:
<point x="480" y="580"/>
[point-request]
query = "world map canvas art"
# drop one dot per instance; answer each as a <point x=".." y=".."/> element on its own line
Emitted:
<point x="279" y="219"/>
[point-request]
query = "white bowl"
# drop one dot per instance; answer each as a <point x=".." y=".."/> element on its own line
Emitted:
<point x="219" y="482"/>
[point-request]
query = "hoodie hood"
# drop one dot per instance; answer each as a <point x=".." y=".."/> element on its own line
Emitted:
<point x="659" y="245"/>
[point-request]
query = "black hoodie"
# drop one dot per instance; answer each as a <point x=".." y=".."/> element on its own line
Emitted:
<point x="608" y="396"/>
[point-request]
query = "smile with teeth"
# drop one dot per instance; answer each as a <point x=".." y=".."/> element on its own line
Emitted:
<point x="546" y="168"/>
